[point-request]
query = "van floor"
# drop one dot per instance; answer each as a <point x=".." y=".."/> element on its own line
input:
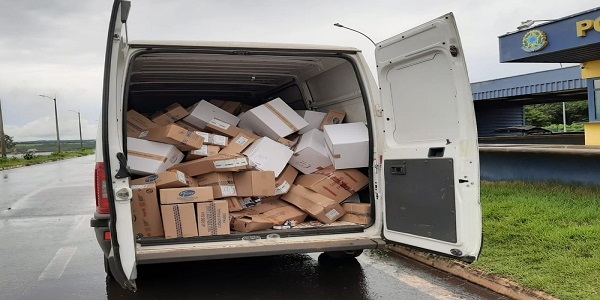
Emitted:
<point x="303" y="229"/>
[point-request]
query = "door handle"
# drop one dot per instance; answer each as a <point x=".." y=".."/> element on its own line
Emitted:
<point x="398" y="170"/>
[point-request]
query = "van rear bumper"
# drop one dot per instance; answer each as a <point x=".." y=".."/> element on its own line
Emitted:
<point x="153" y="255"/>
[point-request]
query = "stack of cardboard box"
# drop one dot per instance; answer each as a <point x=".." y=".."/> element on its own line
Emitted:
<point x="241" y="171"/>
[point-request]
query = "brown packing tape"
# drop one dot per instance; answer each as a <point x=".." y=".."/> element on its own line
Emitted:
<point x="281" y="117"/>
<point x="147" y="155"/>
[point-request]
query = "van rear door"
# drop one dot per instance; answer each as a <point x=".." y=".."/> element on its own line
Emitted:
<point x="122" y="255"/>
<point x="430" y="161"/>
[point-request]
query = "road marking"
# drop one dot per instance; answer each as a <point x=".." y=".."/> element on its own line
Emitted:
<point x="57" y="265"/>
<point x="83" y="222"/>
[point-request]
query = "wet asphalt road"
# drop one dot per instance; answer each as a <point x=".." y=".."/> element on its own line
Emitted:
<point x="50" y="252"/>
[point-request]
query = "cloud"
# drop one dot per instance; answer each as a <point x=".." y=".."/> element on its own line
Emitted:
<point x="44" y="128"/>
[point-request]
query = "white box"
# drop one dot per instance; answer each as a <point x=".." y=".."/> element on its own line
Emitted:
<point x="202" y="112"/>
<point x="311" y="153"/>
<point x="148" y="157"/>
<point x="314" y="119"/>
<point x="268" y="155"/>
<point x="274" y="119"/>
<point x="348" y="145"/>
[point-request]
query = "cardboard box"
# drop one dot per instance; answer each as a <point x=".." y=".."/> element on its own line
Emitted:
<point x="284" y="182"/>
<point x="314" y="119"/>
<point x="255" y="183"/>
<point x="338" y="185"/>
<point x="167" y="179"/>
<point x="226" y="129"/>
<point x="186" y="195"/>
<point x="221" y="183"/>
<point x="147" y="157"/>
<point x="234" y="108"/>
<point x="310" y="153"/>
<point x="238" y="144"/>
<point x="146" y="212"/>
<point x="274" y="119"/>
<point x="265" y="215"/>
<point x="174" y="135"/>
<point x="324" y="209"/>
<point x="359" y="213"/>
<point x="332" y="117"/>
<point x="288" y="143"/>
<point x="179" y="220"/>
<point x="214" y="163"/>
<point x="213" y="139"/>
<point x="137" y="123"/>
<point x="186" y="125"/>
<point x="213" y="218"/>
<point x="268" y="155"/>
<point x="348" y="145"/>
<point x="170" y="114"/>
<point x="204" y="151"/>
<point x="203" y="112"/>
<point x="239" y="203"/>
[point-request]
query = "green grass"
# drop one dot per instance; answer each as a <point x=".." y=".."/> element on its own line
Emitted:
<point x="13" y="162"/>
<point x="544" y="236"/>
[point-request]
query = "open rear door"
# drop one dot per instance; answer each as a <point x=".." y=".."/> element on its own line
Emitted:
<point x="430" y="154"/>
<point x="122" y="256"/>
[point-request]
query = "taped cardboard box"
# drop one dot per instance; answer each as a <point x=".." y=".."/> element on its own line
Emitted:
<point x="221" y="183"/>
<point x="332" y="117"/>
<point x="203" y="112"/>
<point x="255" y="183"/>
<point x="137" y="123"/>
<point x="172" y="134"/>
<point x="324" y="209"/>
<point x="239" y="203"/>
<point x="359" y="213"/>
<point x="265" y="216"/>
<point x="268" y="155"/>
<point x="179" y="220"/>
<point x="284" y="181"/>
<point x="234" y="108"/>
<point x="338" y="185"/>
<point x="288" y="143"/>
<point x="146" y="211"/>
<point x="170" y="114"/>
<point x="314" y="119"/>
<point x="186" y="195"/>
<point x="167" y="179"/>
<point x="213" y="218"/>
<point x="274" y="119"/>
<point x="226" y="129"/>
<point x="348" y="145"/>
<point x="238" y="144"/>
<point x="215" y="163"/>
<point x="310" y="153"/>
<point x="148" y="157"/>
<point x="213" y="139"/>
<point x="204" y="151"/>
<point x="186" y="125"/>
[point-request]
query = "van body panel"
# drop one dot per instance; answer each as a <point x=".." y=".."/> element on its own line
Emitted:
<point x="430" y="157"/>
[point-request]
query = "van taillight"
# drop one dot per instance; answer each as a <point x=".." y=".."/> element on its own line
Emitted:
<point x="102" y="206"/>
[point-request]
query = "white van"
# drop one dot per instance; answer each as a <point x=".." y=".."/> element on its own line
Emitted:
<point x="424" y="164"/>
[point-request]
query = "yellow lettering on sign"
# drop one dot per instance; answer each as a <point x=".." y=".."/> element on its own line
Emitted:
<point x="586" y="25"/>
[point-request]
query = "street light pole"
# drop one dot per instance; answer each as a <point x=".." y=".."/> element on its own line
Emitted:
<point x="56" y="119"/>
<point x="2" y="137"/>
<point x="80" y="138"/>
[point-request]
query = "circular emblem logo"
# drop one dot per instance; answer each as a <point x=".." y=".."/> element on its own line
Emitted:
<point x="151" y="178"/>
<point x="534" y="40"/>
<point x="187" y="193"/>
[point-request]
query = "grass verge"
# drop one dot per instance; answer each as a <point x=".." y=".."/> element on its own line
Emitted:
<point x="6" y="163"/>
<point x="544" y="236"/>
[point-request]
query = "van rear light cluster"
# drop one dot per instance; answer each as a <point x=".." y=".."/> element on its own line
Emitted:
<point x="102" y="206"/>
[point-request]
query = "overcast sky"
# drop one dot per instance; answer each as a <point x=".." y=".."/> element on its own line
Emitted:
<point x="56" y="48"/>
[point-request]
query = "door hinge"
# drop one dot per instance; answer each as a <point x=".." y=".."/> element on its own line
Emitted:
<point x="379" y="110"/>
<point x="453" y="51"/>
<point x="123" y="194"/>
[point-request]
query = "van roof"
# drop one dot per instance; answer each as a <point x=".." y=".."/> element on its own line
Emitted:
<point x="241" y="45"/>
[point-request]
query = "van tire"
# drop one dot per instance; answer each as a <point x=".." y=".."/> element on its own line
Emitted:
<point x="344" y="254"/>
<point x="109" y="274"/>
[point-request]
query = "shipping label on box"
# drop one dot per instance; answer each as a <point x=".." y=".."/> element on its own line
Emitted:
<point x="359" y="213"/>
<point x="215" y="163"/>
<point x="203" y="112"/>
<point x="170" y="114"/>
<point x="167" y="179"/>
<point x="179" y="220"/>
<point x="324" y="209"/>
<point x="172" y="134"/>
<point x="204" y="151"/>
<point x="274" y="119"/>
<point x="231" y="107"/>
<point x="284" y="182"/>
<point x="186" y="195"/>
<point x="238" y="144"/>
<point x="310" y="154"/>
<point x="332" y="117"/>
<point x="213" y="218"/>
<point x="226" y="129"/>
<point x="221" y="183"/>
<point x="146" y="212"/>
<point x="148" y="157"/>
<point x="268" y="155"/>
<point x="213" y="139"/>
<point x="255" y="183"/>
<point x="348" y="145"/>
<point x="137" y="123"/>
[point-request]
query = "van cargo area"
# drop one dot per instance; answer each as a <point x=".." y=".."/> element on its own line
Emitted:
<point x="165" y="87"/>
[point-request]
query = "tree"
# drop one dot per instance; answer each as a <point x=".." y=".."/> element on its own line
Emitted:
<point x="551" y="113"/>
<point x="8" y="140"/>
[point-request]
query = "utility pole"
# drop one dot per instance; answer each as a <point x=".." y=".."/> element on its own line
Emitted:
<point x="80" y="137"/>
<point x="2" y="138"/>
<point x="56" y="119"/>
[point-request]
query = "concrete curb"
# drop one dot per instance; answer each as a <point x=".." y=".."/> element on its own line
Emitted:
<point x="495" y="283"/>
